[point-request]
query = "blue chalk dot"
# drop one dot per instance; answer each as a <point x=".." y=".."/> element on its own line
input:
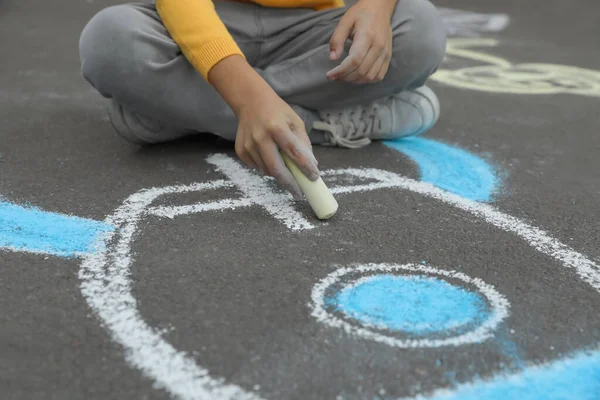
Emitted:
<point x="417" y="305"/>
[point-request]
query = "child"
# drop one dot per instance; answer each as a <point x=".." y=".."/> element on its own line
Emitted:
<point x="274" y="76"/>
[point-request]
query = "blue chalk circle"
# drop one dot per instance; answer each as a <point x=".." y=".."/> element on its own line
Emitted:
<point x="416" y="305"/>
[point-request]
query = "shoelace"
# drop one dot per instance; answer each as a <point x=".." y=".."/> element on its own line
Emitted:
<point x="348" y="128"/>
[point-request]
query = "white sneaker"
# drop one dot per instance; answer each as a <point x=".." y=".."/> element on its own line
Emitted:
<point x="409" y="113"/>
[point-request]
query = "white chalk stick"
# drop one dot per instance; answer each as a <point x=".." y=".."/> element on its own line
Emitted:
<point x="317" y="194"/>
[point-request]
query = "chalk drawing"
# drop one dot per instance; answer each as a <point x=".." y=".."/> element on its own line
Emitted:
<point x="576" y="377"/>
<point x="417" y="305"/>
<point x="32" y="230"/>
<point x="106" y="276"/>
<point x="468" y="23"/>
<point x="501" y="76"/>
<point x="498" y="308"/>
<point x="106" y="285"/>
<point x="279" y="205"/>
<point x="449" y="168"/>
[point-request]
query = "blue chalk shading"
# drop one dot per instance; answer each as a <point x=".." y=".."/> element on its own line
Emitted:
<point x="417" y="305"/>
<point x="509" y="348"/>
<point x="449" y="168"/>
<point x="577" y="377"/>
<point x="31" y="229"/>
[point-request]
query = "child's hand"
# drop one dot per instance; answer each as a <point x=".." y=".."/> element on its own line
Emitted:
<point x="368" y="24"/>
<point x="268" y="126"/>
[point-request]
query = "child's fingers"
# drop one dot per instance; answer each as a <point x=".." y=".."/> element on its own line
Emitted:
<point x="374" y="73"/>
<point x="243" y="154"/>
<point x="275" y="167"/>
<point x="299" y="131"/>
<point x="357" y="53"/>
<point x="257" y="159"/>
<point x="362" y="71"/>
<point x="340" y="35"/>
<point x="302" y="155"/>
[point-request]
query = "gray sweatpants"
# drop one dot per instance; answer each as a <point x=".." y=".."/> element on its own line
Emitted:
<point x="128" y="55"/>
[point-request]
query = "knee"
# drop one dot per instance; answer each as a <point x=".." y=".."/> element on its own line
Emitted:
<point x="109" y="48"/>
<point x="419" y="43"/>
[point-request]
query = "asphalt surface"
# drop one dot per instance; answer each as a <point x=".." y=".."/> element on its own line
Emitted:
<point x="231" y="288"/>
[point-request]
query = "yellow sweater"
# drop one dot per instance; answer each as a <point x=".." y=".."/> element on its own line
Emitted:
<point x="204" y="40"/>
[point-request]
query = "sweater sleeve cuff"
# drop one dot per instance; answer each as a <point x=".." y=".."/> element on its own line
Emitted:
<point x="209" y="54"/>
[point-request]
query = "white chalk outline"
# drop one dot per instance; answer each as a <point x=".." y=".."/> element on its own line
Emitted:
<point x="498" y="303"/>
<point x="106" y="284"/>
<point x="279" y="205"/>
